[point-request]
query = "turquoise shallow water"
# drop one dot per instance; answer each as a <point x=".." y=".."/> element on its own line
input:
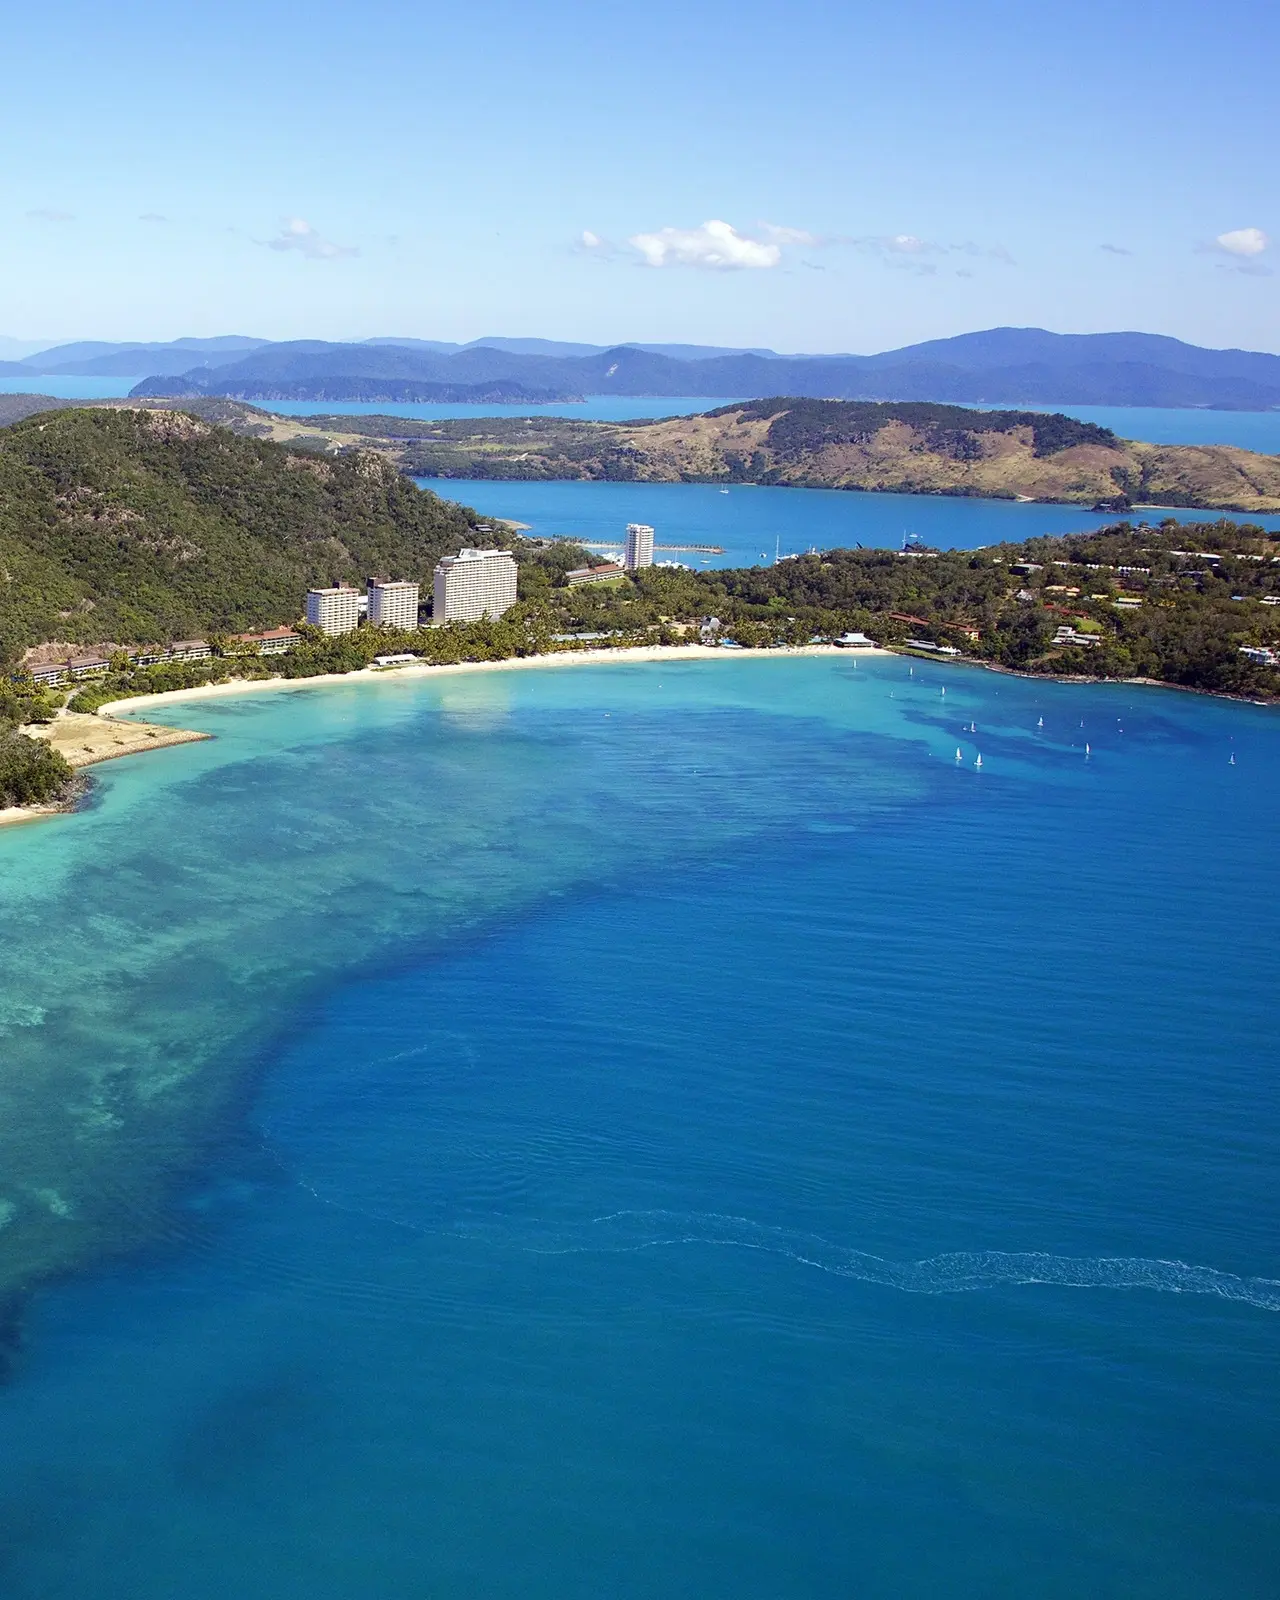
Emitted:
<point x="678" y="1131"/>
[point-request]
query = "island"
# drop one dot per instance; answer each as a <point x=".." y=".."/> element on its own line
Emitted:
<point x="142" y="547"/>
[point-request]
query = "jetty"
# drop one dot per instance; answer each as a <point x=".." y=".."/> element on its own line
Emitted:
<point x="616" y="544"/>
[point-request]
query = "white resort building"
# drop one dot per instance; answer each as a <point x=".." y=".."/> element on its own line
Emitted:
<point x="335" y="610"/>
<point x="393" y="604"/>
<point x="639" y="549"/>
<point x="474" y="584"/>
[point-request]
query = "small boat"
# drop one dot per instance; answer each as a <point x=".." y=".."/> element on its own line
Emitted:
<point x="1232" y="762"/>
<point x="1087" y="750"/>
<point x="1040" y="724"/>
<point x="977" y="761"/>
<point x="973" y="727"/>
<point x="944" y="694"/>
<point x="724" y="491"/>
<point x="959" y="753"/>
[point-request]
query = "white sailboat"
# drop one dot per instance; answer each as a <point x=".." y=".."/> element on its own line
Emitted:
<point x="959" y="753"/>
<point x="978" y="761"/>
<point x="1040" y="724"/>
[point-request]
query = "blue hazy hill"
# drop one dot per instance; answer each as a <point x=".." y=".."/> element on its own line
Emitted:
<point x="999" y="365"/>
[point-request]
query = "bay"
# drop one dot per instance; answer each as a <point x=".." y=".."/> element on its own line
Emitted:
<point x="750" y="523"/>
<point x="650" y="1129"/>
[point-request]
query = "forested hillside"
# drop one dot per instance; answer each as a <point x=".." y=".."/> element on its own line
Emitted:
<point x="148" y="526"/>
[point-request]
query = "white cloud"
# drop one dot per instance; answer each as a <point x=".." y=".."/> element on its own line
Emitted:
<point x="595" y="245"/>
<point x="1243" y="242"/>
<point x="152" y="216"/>
<point x="49" y="214"/>
<point x="717" y="246"/>
<point x="784" y="236"/>
<point x="299" y="235"/>
<point x="1115" y="250"/>
<point x="909" y="253"/>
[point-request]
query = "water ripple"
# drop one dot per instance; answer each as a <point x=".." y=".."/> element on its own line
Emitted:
<point x="952" y="1273"/>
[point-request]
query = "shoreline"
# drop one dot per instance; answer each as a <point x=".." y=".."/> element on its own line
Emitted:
<point x="84" y="739"/>
<point x="112" y="709"/>
<point x="114" y="713"/>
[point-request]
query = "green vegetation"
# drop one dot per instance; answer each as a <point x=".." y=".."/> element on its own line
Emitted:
<point x="800" y="426"/>
<point x="1002" y="606"/>
<point x="523" y="631"/>
<point x="1200" y="589"/>
<point x="149" y="526"/>
<point x="31" y="774"/>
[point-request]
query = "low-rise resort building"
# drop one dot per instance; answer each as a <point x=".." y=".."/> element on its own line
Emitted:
<point x="600" y="574"/>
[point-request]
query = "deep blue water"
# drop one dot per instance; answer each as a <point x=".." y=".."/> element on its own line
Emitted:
<point x="69" y="388"/>
<point x="1251" y="430"/>
<point x="692" y="1137"/>
<point x="750" y="522"/>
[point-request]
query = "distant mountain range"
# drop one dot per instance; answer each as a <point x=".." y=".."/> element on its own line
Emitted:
<point x="997" y="366"/>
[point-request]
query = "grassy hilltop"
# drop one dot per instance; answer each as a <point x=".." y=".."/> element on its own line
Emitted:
<point x="141" y="525"/>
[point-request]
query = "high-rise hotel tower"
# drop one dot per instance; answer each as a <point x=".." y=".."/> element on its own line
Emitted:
<point x="474" y="584"/>
<point x="639" y="551"/>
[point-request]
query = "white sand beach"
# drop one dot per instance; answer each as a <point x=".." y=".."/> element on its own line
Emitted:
<point x="558" y="658"/>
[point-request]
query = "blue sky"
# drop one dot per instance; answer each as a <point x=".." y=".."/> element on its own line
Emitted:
<point x="885" y="174"/>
